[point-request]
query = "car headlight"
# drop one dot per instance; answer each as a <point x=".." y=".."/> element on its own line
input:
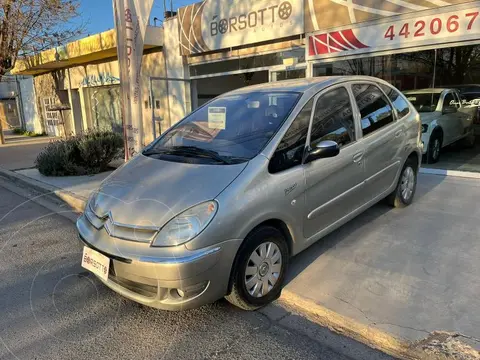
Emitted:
<point x="424" y="128"/>
<point x="187" y="225"/>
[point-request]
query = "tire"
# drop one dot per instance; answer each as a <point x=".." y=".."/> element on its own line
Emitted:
<point x="434" y="147"/>
<point x="261" y="241"/>
<point x="402" y="197"/>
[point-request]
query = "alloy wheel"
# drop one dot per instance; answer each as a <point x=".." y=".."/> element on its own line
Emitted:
<point x="408" y="183"/>
<point x="263" y="269"/>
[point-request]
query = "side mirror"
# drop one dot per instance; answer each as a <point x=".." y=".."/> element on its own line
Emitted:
<point x="449" y="110"/>
<point x="324" y="149"/>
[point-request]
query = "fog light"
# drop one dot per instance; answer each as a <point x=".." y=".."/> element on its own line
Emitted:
<point x="180" y="293"/>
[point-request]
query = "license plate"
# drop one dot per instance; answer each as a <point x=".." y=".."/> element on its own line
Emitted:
<point x="95" y="262"/>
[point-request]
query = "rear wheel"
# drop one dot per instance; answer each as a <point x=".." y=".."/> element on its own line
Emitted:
<point x="259" y="269"/>
<point x="406" y="187"/>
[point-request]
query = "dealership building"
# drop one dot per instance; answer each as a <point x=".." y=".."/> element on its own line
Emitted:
<point x="427" y="48"/>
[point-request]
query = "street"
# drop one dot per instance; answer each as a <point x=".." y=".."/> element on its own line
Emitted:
<point x="53" y="309"/>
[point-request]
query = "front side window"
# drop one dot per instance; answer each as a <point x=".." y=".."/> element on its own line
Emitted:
<point x="449" y="102"/>
<point x="231" y="128"/>
<point x="333" y="118"/>
<point x="289" y="152"/>
<point x="375" y="111"/>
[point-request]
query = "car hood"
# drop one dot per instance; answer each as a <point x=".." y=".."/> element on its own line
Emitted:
<point x="427" y="118"/>
<point x="150" y="192"/>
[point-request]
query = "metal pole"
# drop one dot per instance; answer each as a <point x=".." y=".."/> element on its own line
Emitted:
<point x="153" y="110"/>
<point x="434" y="74"/>
<point x="2" y="138"/>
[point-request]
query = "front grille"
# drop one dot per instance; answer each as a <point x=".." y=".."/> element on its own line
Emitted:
<point x="137" y="233"/>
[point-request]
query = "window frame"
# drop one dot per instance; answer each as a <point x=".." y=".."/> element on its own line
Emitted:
<point x="446" y="104"/>
<point x="355" y="116"/>
<point x="389" y="102"/>
<point x="312" y="98"/>
<point x="397" y="115"/>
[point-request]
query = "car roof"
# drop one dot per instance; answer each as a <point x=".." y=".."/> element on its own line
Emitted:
<point x="303" y="85"/>
<point x="426" y="91"/>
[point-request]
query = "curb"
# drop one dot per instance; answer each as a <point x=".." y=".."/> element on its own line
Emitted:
<point x="343" y="325"/>
<point x="52" y="193"/>
<point x="450" y="173"/>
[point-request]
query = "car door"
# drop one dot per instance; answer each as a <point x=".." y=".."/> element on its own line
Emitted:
<point x="383" y="136"/>
<point x="450" y="120"/>
<point x="466" y="114"/>
<point x="333" y="185"/>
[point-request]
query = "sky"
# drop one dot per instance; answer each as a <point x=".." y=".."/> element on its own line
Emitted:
<point x="98" y="14"/>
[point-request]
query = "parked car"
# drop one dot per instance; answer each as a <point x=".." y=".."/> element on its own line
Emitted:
<point x="445" y="119"/>
<point x="218" y="204"/>
<point x="470" y="94"/>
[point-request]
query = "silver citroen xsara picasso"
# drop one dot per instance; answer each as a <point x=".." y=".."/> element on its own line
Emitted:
<point x="219" y="203"/>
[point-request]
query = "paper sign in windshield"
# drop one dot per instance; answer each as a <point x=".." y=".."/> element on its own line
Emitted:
<point x="217" y="117"/>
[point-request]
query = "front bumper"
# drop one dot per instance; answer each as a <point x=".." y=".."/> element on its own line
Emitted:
<point x="165" y="278"/>
<point x="425" y="141"/>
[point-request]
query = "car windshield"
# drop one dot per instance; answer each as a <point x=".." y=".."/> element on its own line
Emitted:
<point x="229" y="129"/>
<point x="424" y="102"/>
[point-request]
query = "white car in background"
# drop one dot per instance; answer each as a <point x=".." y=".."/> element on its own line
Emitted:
<point x="444" y="119"/>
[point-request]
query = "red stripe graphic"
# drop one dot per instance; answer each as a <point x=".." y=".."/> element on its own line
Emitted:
<point x="334" y="42"/>
<point x="352" y="39"/>
<point x="338" y="38"/>
<point x="320" y="46"/>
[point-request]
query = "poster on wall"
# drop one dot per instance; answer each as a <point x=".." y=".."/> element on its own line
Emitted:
<point x="131" y="19"/>
<point x="441" y="26"/>
<point x="221" y="24"/>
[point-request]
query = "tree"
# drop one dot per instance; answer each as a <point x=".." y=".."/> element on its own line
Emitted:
<point x="30" y="26"/>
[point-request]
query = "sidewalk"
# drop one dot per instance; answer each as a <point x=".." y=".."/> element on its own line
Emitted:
<point x="389" y="277"/>
<point x="20" y="152"/>
<point x="407" y="272"/>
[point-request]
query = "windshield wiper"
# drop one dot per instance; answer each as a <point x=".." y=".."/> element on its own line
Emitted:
<point x="188" y="151"/>
<point x="196" y="151"/>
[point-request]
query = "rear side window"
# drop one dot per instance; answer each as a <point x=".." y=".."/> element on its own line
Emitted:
<point x="333" y="118"/>
<point x="289" y="152"/>
<point x="398" y="101"/>
<point x="375" y="109"/>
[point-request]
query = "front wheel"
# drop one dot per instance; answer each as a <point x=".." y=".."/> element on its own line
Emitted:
<point x="406" y="187"/>
<point x="434" y="148"/>
<point x="259" y="270"/>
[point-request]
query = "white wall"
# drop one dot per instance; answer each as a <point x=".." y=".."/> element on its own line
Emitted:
<point x="30" y="113"/>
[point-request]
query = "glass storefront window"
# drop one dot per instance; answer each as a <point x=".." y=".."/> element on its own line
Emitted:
<point x="288" y="74"/>
<point x="248" y="62"/>
<point x="105" y="107"/>
<point x="447" y="76"/>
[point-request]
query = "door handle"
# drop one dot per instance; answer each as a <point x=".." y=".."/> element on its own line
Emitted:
<point x="399" y="133"/>
<point x="357" y="158"/>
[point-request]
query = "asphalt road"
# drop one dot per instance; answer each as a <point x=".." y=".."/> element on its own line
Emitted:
<point x="50" y="308"/>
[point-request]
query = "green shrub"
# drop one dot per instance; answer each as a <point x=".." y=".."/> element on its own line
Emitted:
<point x="89" y="153"/>
<point x="20" y="131"/>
